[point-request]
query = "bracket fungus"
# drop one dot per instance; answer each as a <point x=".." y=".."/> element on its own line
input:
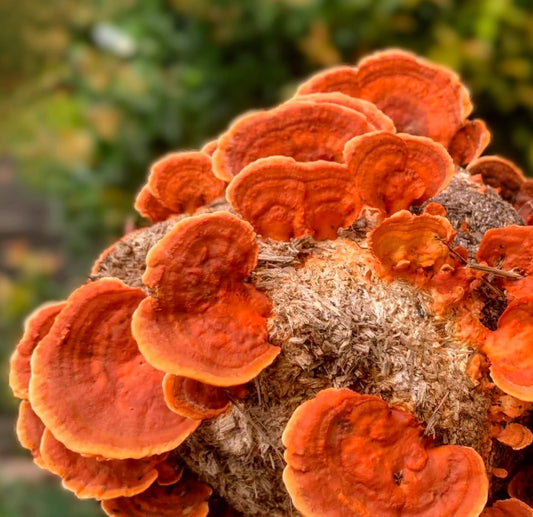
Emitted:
<point x="420" y="97"/>
<point x="391" y="172"/>
<point x="470" y="140"/>
<point x="91" y="386"/>
<point x="352" y="455"/>
<point x="412" y="246"/>
<point x="187" y="498"/>
<point x="202" y="321"/>
<point x="283" y="198"/>
<point x="183" y="182"/>
<point x="499" y="173"/>
<point x="37" y="325"/>
<point x="93" y="478"/>
<point x="150" y="207"/>
<point x="306" y="131"/>
<point x="30" y="431"/>
<point x="510" y="352"/>
<point x="508" y="508"/>
<point x="323" y="275"/>
<point x="193" y="399"/>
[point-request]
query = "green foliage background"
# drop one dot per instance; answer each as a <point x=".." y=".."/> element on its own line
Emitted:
<point x="83" y="118"/>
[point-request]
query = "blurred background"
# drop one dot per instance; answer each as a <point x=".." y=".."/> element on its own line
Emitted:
<point x="91" y="92"/>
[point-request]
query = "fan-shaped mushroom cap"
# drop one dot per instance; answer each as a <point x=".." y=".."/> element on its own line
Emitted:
<point x="393" y="171"/>
<point x="193" y="399"/>
<point x="524" y="201"/>
<point x="36" y="326"/>
<point x="341" y="79"/>
<point x="283" y="198"/>
<point x="202" y="321"/>
<point x="91" y="386"/>
<point x="150" y="207"/>
<point x="499" y="173"/>
<point x="352" y="455"/>
<point x="30" y="431"/>
<point x="374" y="116"/>
<point x="412" y="246"/>
<point x="188" y="498"/>
<point x="470" y="140"/>
<point x="183" y="182"/>
<point x="510" y="352"/>
<point x="510" y="248"/>
<point x="420" y="97"/>
<point x="306" y="131"/>
<point x="515" y="436"/>
<point x="508" y="508"/>
<point x="89" y="478"/>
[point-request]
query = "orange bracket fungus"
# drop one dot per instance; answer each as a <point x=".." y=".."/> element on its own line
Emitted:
<point x="91" y="386"/>
<point x="354" y="455"/>
<point x="412" y="246"/>
<point x="97" y="479"/>
<point x="183" y="182"/>
<point x="391" y="172"/>
<point x="331" y="243"/>
<point x="510" y="352"/>
<point x="374" y="116"/>
<point x="283" y="198"/>
<point x="469" y="142"/>
<point x="510" y="249"/>
<point x="508" y="508"/>
<point x="187" y="498"/>
<point x="202" y="321"/>
<point x="150" y="207"/>
<point x="305" y="131"/>
<point x="30" y="431"/>
<point x="193" y="399"/>
<point x="37" y="326"/>
<point x="420" y="97"/>
<point x="499" y="173"/>
<point x="515" y="436"/>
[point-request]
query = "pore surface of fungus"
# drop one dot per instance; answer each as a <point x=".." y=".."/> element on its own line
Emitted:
<point x="187" y="498"/>
<point x="393" y="171"/>
<point x="354" y="455"/>
<point x="91" y="386"/>
<point x="283" y="198"/>
<point x="305" y="131"/>
<point x="202" y="321"/>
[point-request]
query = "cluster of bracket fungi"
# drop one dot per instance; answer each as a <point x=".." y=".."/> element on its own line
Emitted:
<point x="116" y="377"/>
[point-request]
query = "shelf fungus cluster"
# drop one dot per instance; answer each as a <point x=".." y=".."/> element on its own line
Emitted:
<point x="331" y="315"/>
